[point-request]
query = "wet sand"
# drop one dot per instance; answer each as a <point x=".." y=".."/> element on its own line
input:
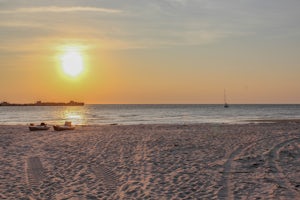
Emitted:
<point x="204" y="161"/>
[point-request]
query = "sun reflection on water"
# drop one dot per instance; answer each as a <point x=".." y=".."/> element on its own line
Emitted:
<point x="75" y="115"/>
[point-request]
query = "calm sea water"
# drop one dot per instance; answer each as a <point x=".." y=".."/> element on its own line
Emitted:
<point x="146" y="114"/>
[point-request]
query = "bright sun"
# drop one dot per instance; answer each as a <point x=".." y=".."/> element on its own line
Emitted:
<point x="72" y="63"/>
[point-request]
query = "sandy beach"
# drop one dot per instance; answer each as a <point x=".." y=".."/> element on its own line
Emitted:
<point x="202" y="161"/>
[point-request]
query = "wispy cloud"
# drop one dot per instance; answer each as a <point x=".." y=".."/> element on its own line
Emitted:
<point x="150" y="23"/>
<point x="57" y="9"/>
<point x="19" y="24"/>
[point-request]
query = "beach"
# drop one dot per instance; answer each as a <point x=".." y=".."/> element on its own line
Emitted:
<point x="187" y="161"/>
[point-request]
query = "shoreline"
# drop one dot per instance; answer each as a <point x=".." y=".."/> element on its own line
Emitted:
<point x="152" y="161"/>
<point x="248" y="121"/>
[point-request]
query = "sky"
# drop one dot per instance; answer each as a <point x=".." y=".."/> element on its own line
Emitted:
<point x="151" y="51"/>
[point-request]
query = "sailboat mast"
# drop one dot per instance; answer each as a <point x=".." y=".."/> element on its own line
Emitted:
<point x="225" y="100"/>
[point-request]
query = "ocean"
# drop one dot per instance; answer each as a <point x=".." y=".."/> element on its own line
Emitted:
<point x="145" y="114"/>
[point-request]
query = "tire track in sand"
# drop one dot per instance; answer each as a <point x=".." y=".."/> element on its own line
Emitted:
<point x="35" y="171"/>
<point x="141" y="159"/>
<point x="276" y="170"/>
<point x="107" y="176"/>
<point x="226" y="192"/>
<point x="102" y="171"/>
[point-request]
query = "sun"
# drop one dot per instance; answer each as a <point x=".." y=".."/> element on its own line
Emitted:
<point x="72" y="63"/>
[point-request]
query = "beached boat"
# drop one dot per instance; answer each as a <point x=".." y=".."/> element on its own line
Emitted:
<point x="41" y="127"/>
<point x="67" y="126"/>
<point x="63" y="128"/>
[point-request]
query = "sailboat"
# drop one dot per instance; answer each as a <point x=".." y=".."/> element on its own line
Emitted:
<point x="225" y="100"/>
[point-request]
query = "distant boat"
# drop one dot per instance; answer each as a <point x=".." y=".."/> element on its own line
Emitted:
<point x="226" y="105"/>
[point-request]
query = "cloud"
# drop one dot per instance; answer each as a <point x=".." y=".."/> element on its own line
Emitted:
<point x="57" y="9"/>
<point x="13" y="24"/>
<point x="150" y="23"/>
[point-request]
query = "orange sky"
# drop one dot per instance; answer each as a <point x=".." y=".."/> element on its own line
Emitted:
<point x="185" y="52"/>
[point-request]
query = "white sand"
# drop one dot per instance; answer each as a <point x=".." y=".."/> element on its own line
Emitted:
<point x="251" y="161"/>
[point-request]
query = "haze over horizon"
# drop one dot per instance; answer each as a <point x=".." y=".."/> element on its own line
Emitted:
<point x="161" y="51"/>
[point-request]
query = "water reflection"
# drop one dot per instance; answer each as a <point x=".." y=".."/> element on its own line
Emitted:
<point x="77" y="115"/>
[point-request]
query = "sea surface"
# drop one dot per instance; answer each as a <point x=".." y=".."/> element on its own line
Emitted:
<point x="145" y="114"/>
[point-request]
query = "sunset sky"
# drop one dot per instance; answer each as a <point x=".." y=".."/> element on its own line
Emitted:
<point x="150" y="51"/>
